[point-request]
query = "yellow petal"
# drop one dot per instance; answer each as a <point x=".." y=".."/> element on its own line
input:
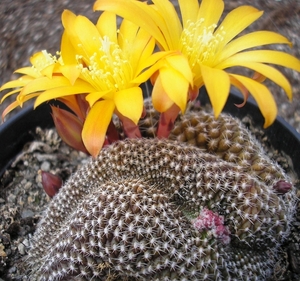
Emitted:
<point x="22" y="99"/>
<point x="144" y="55"/>
<point x="44" y="83"/>
<point x="107" y="26"/>
<point x="67" y="51"/>
<point x="68" y="54"/>
<point x="273" y="74"/>
<point x="22" y="81"/>
<point x="67" y="18"/>
<point x="9" y="94"/>
<point x="172" y="27"/>
<point x="236" y="21"/>
<point x="189" y="10"/>
<point x="262" y="56"/>
<point x="48" y="71"/>
<point x="129" y="103"/>
<point x="127" y="35"/>
<point x="141" y="49"/>
<point x="175" y="85"/>
<point x="210" y="12"/>
<point x="80" y="87"/>
<point x="137" y="12"/>
<point x="160" y="99"/>
<point x="96" y="124"/>
<point x="71" y="72"/>
<point x="253" y="39"/>
<point x="181" y="64"/>
<point x="88" y="36"/>
<point x="153" y="63"/>
<point x="30" y="71"/>
<point x="217" y="83"/>
<point x="82" y="33"/>
<point x="9" y="108"/>
<point x="93" y="97"/>
<point x="263" y="97"/>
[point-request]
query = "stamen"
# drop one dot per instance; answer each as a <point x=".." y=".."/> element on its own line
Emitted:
<point x="108" y="68"/>
<point x="43" y="61"/>
<point x="199" y="43"/>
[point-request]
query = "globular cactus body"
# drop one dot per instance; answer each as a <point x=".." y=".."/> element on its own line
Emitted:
<point x="136" y="212"/>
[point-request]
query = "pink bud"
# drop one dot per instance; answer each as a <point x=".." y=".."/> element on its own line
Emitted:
<point x="282" y="187"/>
<point x="51" y="183"/>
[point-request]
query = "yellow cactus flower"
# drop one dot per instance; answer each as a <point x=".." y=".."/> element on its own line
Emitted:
<point x="210" y="49"/>
<point x="99" y="61"/>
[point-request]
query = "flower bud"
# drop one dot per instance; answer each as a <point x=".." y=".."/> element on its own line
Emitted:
<point x="51" y="183"/>
<point x="282" y="187"/>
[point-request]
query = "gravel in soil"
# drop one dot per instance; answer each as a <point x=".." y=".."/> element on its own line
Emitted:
<point x="22" y="198"/>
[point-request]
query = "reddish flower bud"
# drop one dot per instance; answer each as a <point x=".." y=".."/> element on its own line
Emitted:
<point x="69" y="128"/>
<point x="51" y="183"/>
<point x="282" y="187"/>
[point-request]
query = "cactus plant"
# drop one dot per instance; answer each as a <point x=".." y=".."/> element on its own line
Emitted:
<point x="206" y="204"/>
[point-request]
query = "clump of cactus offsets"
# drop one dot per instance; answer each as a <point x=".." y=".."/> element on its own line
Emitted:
<point x="189" y="208"/>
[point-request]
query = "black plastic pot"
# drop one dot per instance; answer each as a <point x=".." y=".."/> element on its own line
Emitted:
<point x="19" y="130"/>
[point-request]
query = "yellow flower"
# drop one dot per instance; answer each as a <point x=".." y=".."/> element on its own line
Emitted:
<point x="209" y="49"/>
<point x="100" y="61"/>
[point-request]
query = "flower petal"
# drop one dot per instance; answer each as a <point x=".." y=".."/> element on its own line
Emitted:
<point x="210" y="12"/>
<point x="68" y="54"/>
<point x="272" y="73"/>
<point x="82" y="33"/>
<point x="107" y="26"/>
<point x="91" y="98"/>
<point x="263" y="97"/>
<point x="189" y="10"/>
<point x="154" y="62"/>
<point x="9" y="94"/>
<point x="9" y="108"/>
<point x="236" y="21"/>
<point x="262" y="56"/>
<point x="80" y="87"/>
<point x="250" y="40"/>
<point x="69" y="128"/>
<point x="181" y="64"/>
<point x="217" y="83"/>
<point x="129" y="103"/>
<point x="44" y="83"/>
<point x="175" y="85"/>
<point x="96" y="124"/>
<point x="172" y="27"/>
<point x="127" y="34"/>
<point x="21" y="82"/>
<point x="160" y="99"/>
<point x="137" y="12"/>
<point x="30" y="71"/>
